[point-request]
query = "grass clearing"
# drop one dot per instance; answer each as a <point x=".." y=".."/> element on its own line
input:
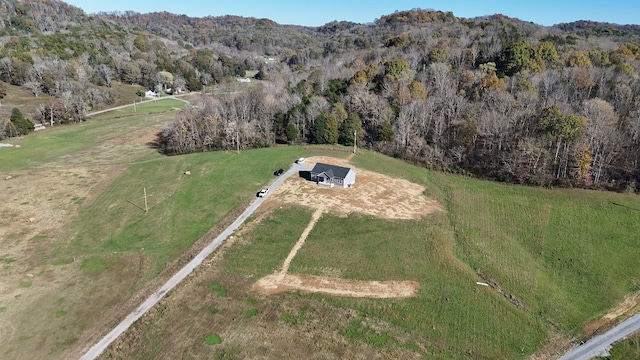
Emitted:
<point x="625" y="349"/>
<point x="218" y="290"/>
<point x="212" y="339"/>
<point x="567" y="256"/>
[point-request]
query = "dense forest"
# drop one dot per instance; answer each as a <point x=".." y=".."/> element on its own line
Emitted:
<point x="493" y="97"/>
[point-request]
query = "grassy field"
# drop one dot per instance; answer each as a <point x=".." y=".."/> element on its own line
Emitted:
<point x="626" y="349"/>
<point x="555" y="269"/>
<point x="108" y="248"/>
<point x="561" y="258"/>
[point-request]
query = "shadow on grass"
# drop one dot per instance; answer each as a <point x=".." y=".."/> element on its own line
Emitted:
<point x="625" y="206"/>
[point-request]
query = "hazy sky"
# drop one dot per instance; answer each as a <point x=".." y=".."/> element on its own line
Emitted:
<point x="316" y="13"/>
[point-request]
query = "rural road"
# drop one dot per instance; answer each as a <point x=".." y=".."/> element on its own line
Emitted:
<point x="137" y="103"/>
<point x="99" y="347"/>
<point x="601" y="344"/>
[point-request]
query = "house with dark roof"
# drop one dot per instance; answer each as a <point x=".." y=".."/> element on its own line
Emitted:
<point x="333" y="175"/>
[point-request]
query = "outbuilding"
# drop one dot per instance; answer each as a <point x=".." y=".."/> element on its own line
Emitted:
<point x="333" y="175"/>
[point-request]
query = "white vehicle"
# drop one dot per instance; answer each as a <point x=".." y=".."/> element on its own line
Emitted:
<point x="300" y="161"/>
<point x="263" y="192"/>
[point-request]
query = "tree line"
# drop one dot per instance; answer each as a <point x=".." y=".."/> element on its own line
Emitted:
<point x="492" y="96"/>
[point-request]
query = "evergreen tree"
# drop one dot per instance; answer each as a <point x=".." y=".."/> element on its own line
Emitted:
<point x="348" y="127"/>
<point x="317" y="133"/>
<point x="22" y="125"/>
<point x="292" y="132"/>
<point x="331" y="130"/>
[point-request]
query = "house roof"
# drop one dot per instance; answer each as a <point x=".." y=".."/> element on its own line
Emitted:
<point x="331" y="170"/>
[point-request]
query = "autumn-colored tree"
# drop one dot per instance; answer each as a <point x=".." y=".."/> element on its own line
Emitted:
<point x="562" y="130"/>
<point x="417" y="90"/>
<point x="439" y="52"/>
<point x="359" y="79"/>
<point x="621" y="55"/>
<point x="399" y="41"/>
<point x="397" y="69"/>
<point x="372" y="71"/>
<point x="585" y="165"/>
<point x="547" y="52"/>
<point x="489" y="81"/>
<point x="515" y="57"/>
<point x="579" y="59"/>
<point x="559" y="127"/>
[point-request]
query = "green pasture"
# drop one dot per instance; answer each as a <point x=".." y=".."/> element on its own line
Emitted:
<point x="626" y="349"/>
<point x="86" y="142"/>
<point x="181" y="208"/>
<point x="556" y="252"/>
<point x="564" y="256"/>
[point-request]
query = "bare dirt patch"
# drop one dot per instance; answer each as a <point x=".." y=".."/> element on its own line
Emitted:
<point x="630" y="306"/>
<point x="277" y="283"/>
<point x="373" y="194"/>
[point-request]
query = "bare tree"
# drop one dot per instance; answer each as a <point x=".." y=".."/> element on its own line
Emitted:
<point x="603" y="135"/>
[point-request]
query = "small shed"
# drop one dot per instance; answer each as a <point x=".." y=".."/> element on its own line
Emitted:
<point x="333" y="175"/>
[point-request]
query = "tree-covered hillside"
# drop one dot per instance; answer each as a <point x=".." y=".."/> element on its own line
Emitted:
<point x="493" y="96"/>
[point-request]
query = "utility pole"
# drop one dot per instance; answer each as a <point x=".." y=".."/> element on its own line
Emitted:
<point x="238" y="142"/>
<point x="354" y="140"/>
<point x="146" y="208"/>
<point x="134" y="107"/>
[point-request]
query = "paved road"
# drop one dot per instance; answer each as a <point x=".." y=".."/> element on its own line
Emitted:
<point x="138" y="103"/>
<point x="601" y="344"/>
<point x="98" y="348"/>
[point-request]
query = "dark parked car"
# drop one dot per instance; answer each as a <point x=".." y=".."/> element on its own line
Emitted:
<point x="278" y="172"/>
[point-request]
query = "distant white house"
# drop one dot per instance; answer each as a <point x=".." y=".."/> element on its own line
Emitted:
<point x="150" y="94"/>
<point x="333" y="175"/>
<point x="243" y="79"/>
<point x="37" y="127"/>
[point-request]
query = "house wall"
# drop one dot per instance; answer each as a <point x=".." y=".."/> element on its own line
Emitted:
<point x="350" y="179"/>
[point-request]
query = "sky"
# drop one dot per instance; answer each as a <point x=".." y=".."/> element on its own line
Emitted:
<point x="320" y="12"/>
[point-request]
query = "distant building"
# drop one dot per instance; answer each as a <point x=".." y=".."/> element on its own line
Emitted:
<point x="333" y="175"/>
<point x="243" y="79"/>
